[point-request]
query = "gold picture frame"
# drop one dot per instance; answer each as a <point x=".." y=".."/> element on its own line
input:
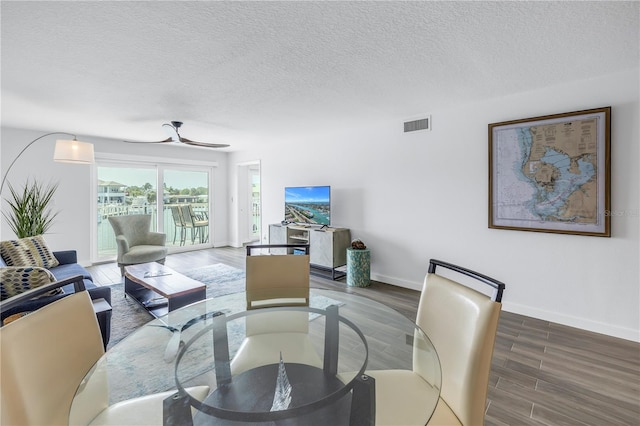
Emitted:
<point x="552" y="173"/>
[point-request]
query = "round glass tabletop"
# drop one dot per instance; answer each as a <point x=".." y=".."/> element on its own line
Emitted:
<point x="326" y="355"/>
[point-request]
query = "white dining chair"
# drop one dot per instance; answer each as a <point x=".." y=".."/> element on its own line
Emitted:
<point x="461" y="322"/>
<point x="275" y="281"/>
<point x="44" y="357"/>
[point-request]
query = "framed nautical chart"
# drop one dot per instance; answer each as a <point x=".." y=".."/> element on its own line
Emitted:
<point x="552" y="173"/>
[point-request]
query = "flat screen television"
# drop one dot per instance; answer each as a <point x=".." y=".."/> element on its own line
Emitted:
<point x="308" y="204"/>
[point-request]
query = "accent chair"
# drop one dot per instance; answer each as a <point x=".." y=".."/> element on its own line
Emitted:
<point x="136" y="242"/>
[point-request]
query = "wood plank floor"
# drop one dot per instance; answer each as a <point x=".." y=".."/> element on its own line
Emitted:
<point x="542" y="373"/>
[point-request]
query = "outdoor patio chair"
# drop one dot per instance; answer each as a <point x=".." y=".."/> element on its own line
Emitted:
<point x="197" y="224"/>
<point x="178" y="223"/>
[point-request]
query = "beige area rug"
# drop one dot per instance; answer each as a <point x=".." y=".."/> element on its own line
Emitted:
<point x="127" y="315"/>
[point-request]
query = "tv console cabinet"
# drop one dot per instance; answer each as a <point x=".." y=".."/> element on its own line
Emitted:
<point x="327" y="247"/>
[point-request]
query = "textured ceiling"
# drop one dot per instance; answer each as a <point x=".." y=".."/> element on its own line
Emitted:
<point x="249" y="72"/>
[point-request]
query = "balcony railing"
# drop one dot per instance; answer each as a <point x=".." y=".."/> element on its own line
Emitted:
<point x="107" y="239"/>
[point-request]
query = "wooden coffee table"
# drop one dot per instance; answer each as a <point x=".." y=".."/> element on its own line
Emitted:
<point x="159" y="289"/>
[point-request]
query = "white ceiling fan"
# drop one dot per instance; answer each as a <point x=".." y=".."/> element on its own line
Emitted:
<point x="174" y="136"/>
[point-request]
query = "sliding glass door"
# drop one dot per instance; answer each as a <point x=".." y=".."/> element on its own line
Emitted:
<point x="180" y="209"/>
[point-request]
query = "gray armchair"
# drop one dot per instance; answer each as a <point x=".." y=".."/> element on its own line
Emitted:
<point x="136" y="243"/>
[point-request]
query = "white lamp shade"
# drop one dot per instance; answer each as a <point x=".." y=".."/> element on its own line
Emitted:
<point x="73" y="151"/>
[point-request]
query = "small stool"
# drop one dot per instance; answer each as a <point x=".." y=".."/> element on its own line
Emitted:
<point x="358" y="267"/>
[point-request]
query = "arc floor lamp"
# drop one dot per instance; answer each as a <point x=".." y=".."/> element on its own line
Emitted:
<point x="66" y="151"/>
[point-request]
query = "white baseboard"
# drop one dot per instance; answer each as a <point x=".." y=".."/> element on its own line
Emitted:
<point x="397" y="281"/>
<point x="86" y="263"/>
<point x="530" y="311"/>
<point x="571" y="321"/>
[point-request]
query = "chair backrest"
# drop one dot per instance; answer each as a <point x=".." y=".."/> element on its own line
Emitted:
<point x="461" y="323"/>
<point x="177" y="216"/>
<point x="44" y="357"/>
<point x="187" y="218"/>
<point x="135" y="228"/>
<point x="277" y="280"/>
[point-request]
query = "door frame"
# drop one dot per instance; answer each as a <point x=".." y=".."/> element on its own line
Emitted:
<point x="243" y="196"/>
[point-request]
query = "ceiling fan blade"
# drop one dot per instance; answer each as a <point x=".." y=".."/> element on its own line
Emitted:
<point x="203" y="144"/>
<point x="174" y="136"/>
<point x="164" y="141"/>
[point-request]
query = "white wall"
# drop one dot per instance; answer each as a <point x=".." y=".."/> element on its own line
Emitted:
<point x="415" y="197"/>
<point x="72" y="227"/>
<point x="420" y="196"/>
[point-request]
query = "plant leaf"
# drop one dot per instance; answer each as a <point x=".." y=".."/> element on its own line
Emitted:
<point x="30" y="213"/>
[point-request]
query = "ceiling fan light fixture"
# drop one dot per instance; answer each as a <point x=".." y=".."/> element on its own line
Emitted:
<point x="174" y="136"/>
<point x="171" y="131"/>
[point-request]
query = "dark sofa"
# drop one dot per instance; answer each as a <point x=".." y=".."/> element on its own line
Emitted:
<point x="68" y="268"/>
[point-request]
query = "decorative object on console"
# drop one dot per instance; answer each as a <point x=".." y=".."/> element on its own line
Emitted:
<point x="358" y="245"/>
<point x="174" y="137"/>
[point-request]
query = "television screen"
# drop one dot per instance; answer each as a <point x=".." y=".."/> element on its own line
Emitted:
<point x="308" y="204"/>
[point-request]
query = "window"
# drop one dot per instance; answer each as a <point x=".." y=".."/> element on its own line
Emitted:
<point x="180" y="209"/>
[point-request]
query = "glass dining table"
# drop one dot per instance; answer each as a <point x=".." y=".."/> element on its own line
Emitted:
<point x="276" y="366"/>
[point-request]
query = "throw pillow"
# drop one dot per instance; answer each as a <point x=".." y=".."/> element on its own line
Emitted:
<point x="18" y="279"/>
<point x="30" y="251"/>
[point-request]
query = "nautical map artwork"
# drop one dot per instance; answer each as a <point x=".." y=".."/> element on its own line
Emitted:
<point x="551" y="173"/>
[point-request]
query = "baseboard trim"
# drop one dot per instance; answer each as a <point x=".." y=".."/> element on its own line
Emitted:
<point x="568" y="320"/>
<point x="396" y="281"/>
<point x="571" y="321"/>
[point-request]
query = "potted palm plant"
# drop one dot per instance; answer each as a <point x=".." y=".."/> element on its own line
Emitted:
<point x="30" y="211"/>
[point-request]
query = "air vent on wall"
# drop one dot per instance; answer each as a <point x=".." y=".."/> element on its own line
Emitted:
<point x="420" y="124"/>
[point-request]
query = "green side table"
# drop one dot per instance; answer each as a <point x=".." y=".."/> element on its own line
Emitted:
<point x="358" y="268"/>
